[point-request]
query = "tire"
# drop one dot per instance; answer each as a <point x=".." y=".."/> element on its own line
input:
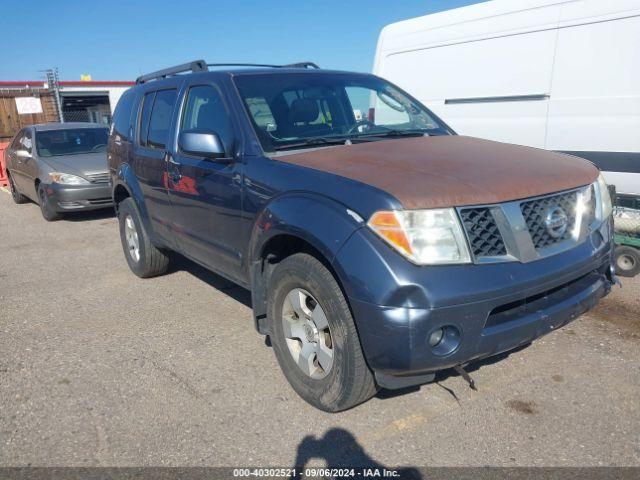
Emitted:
<point x="15" y="194"/>
<point x="149" y="261"/>
<point x="48" y="213"/>
<point x="627" y="261"/>
<point x="347" y="381"/>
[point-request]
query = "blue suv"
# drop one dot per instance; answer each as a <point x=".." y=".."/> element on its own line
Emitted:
<point x="379" y="246"/>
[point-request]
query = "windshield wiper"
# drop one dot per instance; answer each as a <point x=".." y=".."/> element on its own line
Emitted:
<point x="312" y="141"/>
<point x="394" y="133"/>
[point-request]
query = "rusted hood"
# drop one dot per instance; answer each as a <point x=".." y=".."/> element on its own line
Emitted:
<point x="434" y="172"/>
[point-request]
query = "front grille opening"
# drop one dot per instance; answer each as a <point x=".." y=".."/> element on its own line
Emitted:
<point x="535" y="214"/>
<point x="482" y="231"/>
<point x="541" y="301"/>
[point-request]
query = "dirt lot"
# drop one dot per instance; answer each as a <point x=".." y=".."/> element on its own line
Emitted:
<point x="98" y="367"/>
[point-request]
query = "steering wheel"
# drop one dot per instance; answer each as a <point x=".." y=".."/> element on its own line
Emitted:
<point x="96" y="147"/>
<point x="361" y="123"/>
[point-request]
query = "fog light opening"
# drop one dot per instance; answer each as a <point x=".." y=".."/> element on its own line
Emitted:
<point x="444" y="340"/>
<point x="436" y="337"/>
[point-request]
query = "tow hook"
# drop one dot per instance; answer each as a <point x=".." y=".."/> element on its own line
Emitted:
<point x="613" y="277"/>
<point x="462" y="372"/>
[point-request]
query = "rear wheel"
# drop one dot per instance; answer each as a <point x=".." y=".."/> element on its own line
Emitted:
<point x="144" y="258"/>
<point x="15" y="194"/>
<point x="627" y="261"/>
<point x="314" y="336"/>
<point x="48" y="213"/>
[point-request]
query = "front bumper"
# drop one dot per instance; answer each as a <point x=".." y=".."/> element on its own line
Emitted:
<point x="493" y="307"/>
<point x="66" y="198"/>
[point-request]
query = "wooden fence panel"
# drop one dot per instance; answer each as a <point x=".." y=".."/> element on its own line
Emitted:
<point x="11" y="121"/>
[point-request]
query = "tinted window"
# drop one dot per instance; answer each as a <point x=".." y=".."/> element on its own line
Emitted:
<point x="147" y="104"/>
<point x="122" y="114"/>
<point x="160" y="120"/>
<point x="71" y="141"/>
<point x="204" y="110"/>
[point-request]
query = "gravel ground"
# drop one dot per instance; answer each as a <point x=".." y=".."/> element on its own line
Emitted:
<point x="98" y="367"/>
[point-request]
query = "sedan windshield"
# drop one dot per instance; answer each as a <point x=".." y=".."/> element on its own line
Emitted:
<point x="303" y="109"/>
<point x="73" y="141"/>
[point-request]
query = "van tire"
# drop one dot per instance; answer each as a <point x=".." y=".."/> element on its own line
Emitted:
<point x="149" y="261"/>
<point x="627" y="261"/>
<point x="349" y="381"/>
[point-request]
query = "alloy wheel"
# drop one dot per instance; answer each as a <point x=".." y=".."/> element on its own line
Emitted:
<point x="131" y="235"/>
<point x="307" y="333"/>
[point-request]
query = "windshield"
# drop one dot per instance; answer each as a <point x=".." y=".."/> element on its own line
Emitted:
<point x="300" y="110"/>
<point x="71" y="141"/>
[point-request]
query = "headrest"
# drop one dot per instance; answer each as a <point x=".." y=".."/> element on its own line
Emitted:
<point x="303" y="110"/>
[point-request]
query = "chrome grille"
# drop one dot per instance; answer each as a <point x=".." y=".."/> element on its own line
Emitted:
<point x="529" y="229"/>
<point x="535" y="215"/>
<point x="484" y="237"/>
<point x="98" y="178"/>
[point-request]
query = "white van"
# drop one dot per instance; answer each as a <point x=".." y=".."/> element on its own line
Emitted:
<point x="556" y="74"/>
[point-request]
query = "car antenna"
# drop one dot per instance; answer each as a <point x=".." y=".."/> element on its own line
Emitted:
<point x="462" y="372"/>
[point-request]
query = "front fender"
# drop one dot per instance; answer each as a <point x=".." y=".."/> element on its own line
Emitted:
<point x="321" y="222"/>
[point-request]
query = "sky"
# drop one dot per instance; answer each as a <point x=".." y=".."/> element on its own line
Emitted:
<point x="119" y="40"/>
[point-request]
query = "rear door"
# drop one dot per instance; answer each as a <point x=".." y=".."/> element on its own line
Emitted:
<point x="155" y="122"/>
<point x="206" y="194"/>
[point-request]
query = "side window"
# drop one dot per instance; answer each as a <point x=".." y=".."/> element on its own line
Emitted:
<point x="26" y="142"/>
<point x="204" y="110"/>
<point x="159" y="119"/>
<point x="122" y="115"/>
<point x="15" y="145"/>
<point x="147" y="104"/>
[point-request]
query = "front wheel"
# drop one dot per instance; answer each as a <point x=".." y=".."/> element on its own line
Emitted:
<point x="314" y="336"/>
<point x="15" y="194"/>
<point x="48" y="213"/>
<point x="143" y="257"/>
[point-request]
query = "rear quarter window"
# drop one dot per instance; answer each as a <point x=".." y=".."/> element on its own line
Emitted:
<point x="158" y="110"/>
<point x="122" y="115"/>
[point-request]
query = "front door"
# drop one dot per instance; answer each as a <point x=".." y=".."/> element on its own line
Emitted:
<point x="206" y="194"/>
<point x="19" y="163"/>
<point x="150" y="156"/>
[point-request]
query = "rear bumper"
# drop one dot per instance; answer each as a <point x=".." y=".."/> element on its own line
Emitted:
<point x="493" y="308"/>
<point x="66" y="198"/>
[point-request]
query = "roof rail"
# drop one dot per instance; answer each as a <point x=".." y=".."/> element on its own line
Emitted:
<point x="195" y="66"/>
<point x="290" y="65"/>
<point x="242" y="65"/>
<point x="201" y="66"/>
<point x="302" y="65"/>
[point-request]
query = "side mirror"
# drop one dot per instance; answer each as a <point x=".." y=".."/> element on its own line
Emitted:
<point x="22" y="154"/>
<point x="201" y="143"/>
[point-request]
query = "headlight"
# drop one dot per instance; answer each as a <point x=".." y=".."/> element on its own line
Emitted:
<point x="604" y="206"/>
<point x="68" y="179"/>
<point x="426" y="237"/>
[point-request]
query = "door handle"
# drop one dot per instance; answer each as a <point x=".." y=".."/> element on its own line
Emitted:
<point x="173" y="168"/>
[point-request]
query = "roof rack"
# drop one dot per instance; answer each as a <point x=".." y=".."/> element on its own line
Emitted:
<point x="195" y="66"/>
<point x="201" y="66"/>
<point x="302" y="65"/>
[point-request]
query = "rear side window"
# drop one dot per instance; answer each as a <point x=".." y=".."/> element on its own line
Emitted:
<point x="155" y="120"/>
<point x="204" y="110"/>
<point x="122" y="115"/>
<point x="160" y="120"/>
